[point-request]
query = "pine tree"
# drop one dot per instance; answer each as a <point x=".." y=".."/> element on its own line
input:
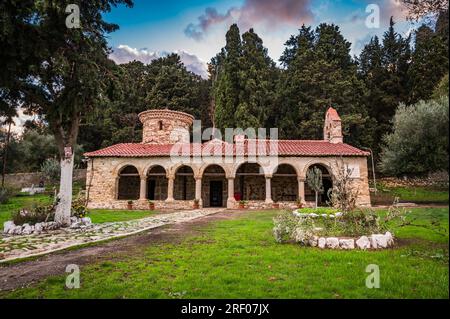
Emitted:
<point x="429" y="64"/>
<point x="320" y="73"/>
<point x="228" y="83"/>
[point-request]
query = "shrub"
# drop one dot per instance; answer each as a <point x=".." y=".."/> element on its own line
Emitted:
<point x="34" y="214"/>
<point x="51" y="170"/>
<point x="419" y="141"/>
<point x="79" y="209"/>
<point x="284" y="225"/>
<point x="344" y="193"/>
<point x="6" y="193"/>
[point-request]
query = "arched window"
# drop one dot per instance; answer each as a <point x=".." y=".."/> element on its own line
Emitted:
<point x="129" y="183"/>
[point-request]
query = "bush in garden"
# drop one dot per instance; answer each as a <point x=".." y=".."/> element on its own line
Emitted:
<point x="419" y="142"/>
<point x="284" y="225"/>
<point x="6" y="193"/>
<point x="344" y="194"/>
<point x="34" y="214"/>
<point x="79" y="208"/>
<point x="51" y="170"/>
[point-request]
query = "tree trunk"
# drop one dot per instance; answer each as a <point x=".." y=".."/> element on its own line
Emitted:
<point x="5" y="155"/>
<point x="63" y="209"/>
<point x="316" y="199"/>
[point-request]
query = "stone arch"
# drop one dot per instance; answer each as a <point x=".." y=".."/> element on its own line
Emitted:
<point x="205" y="166"/>
<point x="184" y="183"/>
<point x="313" y="162"/>
<point x="214" y="186"/>
<point x="128" y="184"/>
<point x="171" y="172"/>
<point x="250" y="181"/>
<point x="284" y="183"/>
<point x="327" y="180"/>
<point x="157" y="183"/>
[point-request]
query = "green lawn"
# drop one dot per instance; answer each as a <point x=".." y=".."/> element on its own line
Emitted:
<point x="422" y="195"/>
<point x="97" y="215"/>
<point x="240" y="259"/>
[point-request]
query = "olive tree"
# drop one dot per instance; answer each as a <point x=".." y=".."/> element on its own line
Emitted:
<point x="314" y="180"/>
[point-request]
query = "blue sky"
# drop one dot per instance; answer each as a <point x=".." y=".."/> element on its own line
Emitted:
<point x="196" y="28"/>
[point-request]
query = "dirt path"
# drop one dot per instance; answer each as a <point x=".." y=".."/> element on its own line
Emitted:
<point x="25" y="273"/>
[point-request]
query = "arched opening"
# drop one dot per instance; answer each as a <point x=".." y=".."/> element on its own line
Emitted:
<point x="157" y="183"/>
<point x="250" y="182"/>
<point x="129" y="183"/>
<point x="284" y="184"/>
<point x="327" y="182"/>
<point x="184" y="185"/>
<point x="214" y="187"/>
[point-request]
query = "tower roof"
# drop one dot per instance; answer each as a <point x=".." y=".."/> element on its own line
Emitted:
<point x="333" y="114"/>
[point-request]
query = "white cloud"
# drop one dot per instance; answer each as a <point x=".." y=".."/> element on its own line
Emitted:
<point x="124" y="54"/>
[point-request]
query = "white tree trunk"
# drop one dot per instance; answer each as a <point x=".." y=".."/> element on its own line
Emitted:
<point x="62" y="215"/>
<point x="316" y="199"/>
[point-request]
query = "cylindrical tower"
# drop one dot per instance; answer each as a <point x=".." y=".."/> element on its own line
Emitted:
<point x="165" y="126"/>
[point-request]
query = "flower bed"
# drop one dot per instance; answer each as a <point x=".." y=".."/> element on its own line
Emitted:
<point x="333" y="229"/>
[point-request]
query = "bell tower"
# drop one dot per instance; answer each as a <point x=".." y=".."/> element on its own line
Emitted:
<point x="165" y="127"/>
<point x="332" y="129"/>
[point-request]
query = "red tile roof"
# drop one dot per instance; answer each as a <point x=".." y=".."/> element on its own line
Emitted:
<point x="280" y="147"/>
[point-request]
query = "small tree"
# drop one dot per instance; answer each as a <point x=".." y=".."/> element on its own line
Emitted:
<point x="314" y="180"/>
<point x="344" y="194"/>
<point x="419" y="142"/>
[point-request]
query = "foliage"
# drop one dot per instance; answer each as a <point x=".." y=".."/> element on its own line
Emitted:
<point x="320" y="72"/>
<point x="318" y="210"/>
<point x="79" y="208"/>
<point x="6" y="193"/>
<point x="429" y="64"/>
<point x="344" y="194"/>
<point x="441" y="89"/>
<point x="51" y="170"/>
<point x="35" y="213"/>
<point x="314" y="180"/>
<point x="419" y="142"/>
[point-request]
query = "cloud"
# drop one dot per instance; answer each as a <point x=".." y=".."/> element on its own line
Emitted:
<point x="124" y="54"/>
<point x="266" y="13"/>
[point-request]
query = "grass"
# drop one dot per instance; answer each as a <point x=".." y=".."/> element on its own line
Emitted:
<point x="422" y="195"/>
<point x="240" y="259"/>
<point x="97" y="215"/>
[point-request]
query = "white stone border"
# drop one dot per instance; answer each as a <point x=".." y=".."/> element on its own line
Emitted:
<point x="374" y="241"/>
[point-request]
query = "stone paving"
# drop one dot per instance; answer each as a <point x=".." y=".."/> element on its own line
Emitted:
<point x="17" y="247"/>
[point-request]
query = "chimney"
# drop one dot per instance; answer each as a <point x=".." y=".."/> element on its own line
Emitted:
<point x="332" y="129"/>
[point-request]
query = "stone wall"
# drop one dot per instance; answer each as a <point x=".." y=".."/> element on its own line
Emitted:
<point x="104" y="183"/>
<point x="165" y="126"/>
<point x="21" y="180"/>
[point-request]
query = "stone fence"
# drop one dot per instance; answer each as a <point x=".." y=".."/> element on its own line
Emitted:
<point x="21" y="180"/>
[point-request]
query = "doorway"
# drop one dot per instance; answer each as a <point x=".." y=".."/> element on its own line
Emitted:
<point x="216" y="194"/>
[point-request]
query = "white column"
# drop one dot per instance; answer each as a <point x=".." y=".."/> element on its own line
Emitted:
<point x="198" y="190"/>
<point x="231" y="202"/>
<point x="143" y="188"/>
<point x="269" y="190"/>
<point x="170" y="186"/>
<point x="301" y="189"/>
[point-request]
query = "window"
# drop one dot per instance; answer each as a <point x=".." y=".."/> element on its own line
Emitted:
<point x="160" y="125"/>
